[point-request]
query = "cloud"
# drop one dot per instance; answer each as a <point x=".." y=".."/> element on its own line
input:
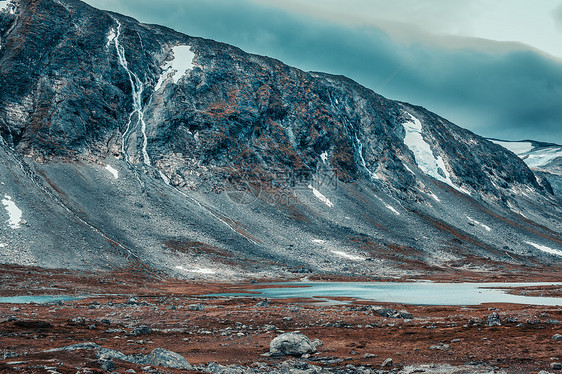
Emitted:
<point x="501" y="90"/>
<point x="557" y="16"/>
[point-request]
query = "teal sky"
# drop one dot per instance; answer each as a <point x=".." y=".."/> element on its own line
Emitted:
<point x="492" y="66"/>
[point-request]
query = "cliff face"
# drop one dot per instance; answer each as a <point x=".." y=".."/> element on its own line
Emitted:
<point x="178" y="119"/>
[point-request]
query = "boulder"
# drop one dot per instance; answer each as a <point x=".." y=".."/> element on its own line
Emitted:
<point x="494" y="320"/>
<point x="165" y="358"/>
<point x="294" y="344"/>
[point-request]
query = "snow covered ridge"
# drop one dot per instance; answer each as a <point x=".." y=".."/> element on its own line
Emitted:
<point x="532" y="153"/>
<point x="423" y="154"/>
<point x="181" y="62"/>
<point x="14" y="212"/>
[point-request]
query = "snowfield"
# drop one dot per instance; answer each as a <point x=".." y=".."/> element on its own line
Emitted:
<point x="181" y="62"/>
<point x="5" y="6"/>
<point x="196" y="270"/>
<point x="114" y="172"/>
<point x="423" y="154"/>
<point x="534" y="157"/>
<point x="14" y="212"/>
<point x="321" y="197"/>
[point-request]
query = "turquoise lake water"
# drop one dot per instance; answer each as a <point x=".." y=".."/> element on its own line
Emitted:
<point x="42" y="299"/>
<point x="416" y="293"/>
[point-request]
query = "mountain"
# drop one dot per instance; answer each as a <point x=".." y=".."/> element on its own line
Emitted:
<point x="132" y="145"/>
<point x="545" y="159"/>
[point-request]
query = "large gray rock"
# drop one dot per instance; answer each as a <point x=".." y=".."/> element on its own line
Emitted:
<point x="393" y="313"/>
<point x="494" y="320"/>
<point x="158" y="357"/>
<point x="165" y="358"/>
<point x="293" y="343"/>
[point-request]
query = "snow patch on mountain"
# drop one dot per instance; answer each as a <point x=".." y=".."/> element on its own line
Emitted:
<point x="7" y="6"/>
<point x="348" y="256"/>
<point x="535" y="156"/>
<point x="518" y="148"/>
<point x="114" y="172"/>
<point x="110" y="37"/>
<point x="321" y="197"/>
<point x="389" y="207"/>
<point x="546" y="249"/>
<point x="181" y="62"/>
<point x="542" y="157"/>
<point x="475" y="222"/>
<point x="164" y="177"/>
<point x="14" y="212"/>
<point x="197" y="270"/>
<point x="425" y="159"/>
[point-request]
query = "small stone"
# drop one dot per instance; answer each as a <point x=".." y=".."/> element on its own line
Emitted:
<point x="270" y="328"/>
<point x="132" y="301"/>
<point x="107" y="365"/>
<point x="196" y="307"/>
<point x="556" y="366"/>
<point x="440" y="346"/>
<point x="557" y="337"/>
<point x="141" y="330"/>
<point x="369" y="355"/>
<point x="387" y="362"/>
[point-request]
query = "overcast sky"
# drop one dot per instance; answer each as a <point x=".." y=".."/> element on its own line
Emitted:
<point x="492" y="66"/>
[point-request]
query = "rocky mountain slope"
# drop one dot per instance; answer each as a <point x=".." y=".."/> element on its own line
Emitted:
<point x="125" y="144"/>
